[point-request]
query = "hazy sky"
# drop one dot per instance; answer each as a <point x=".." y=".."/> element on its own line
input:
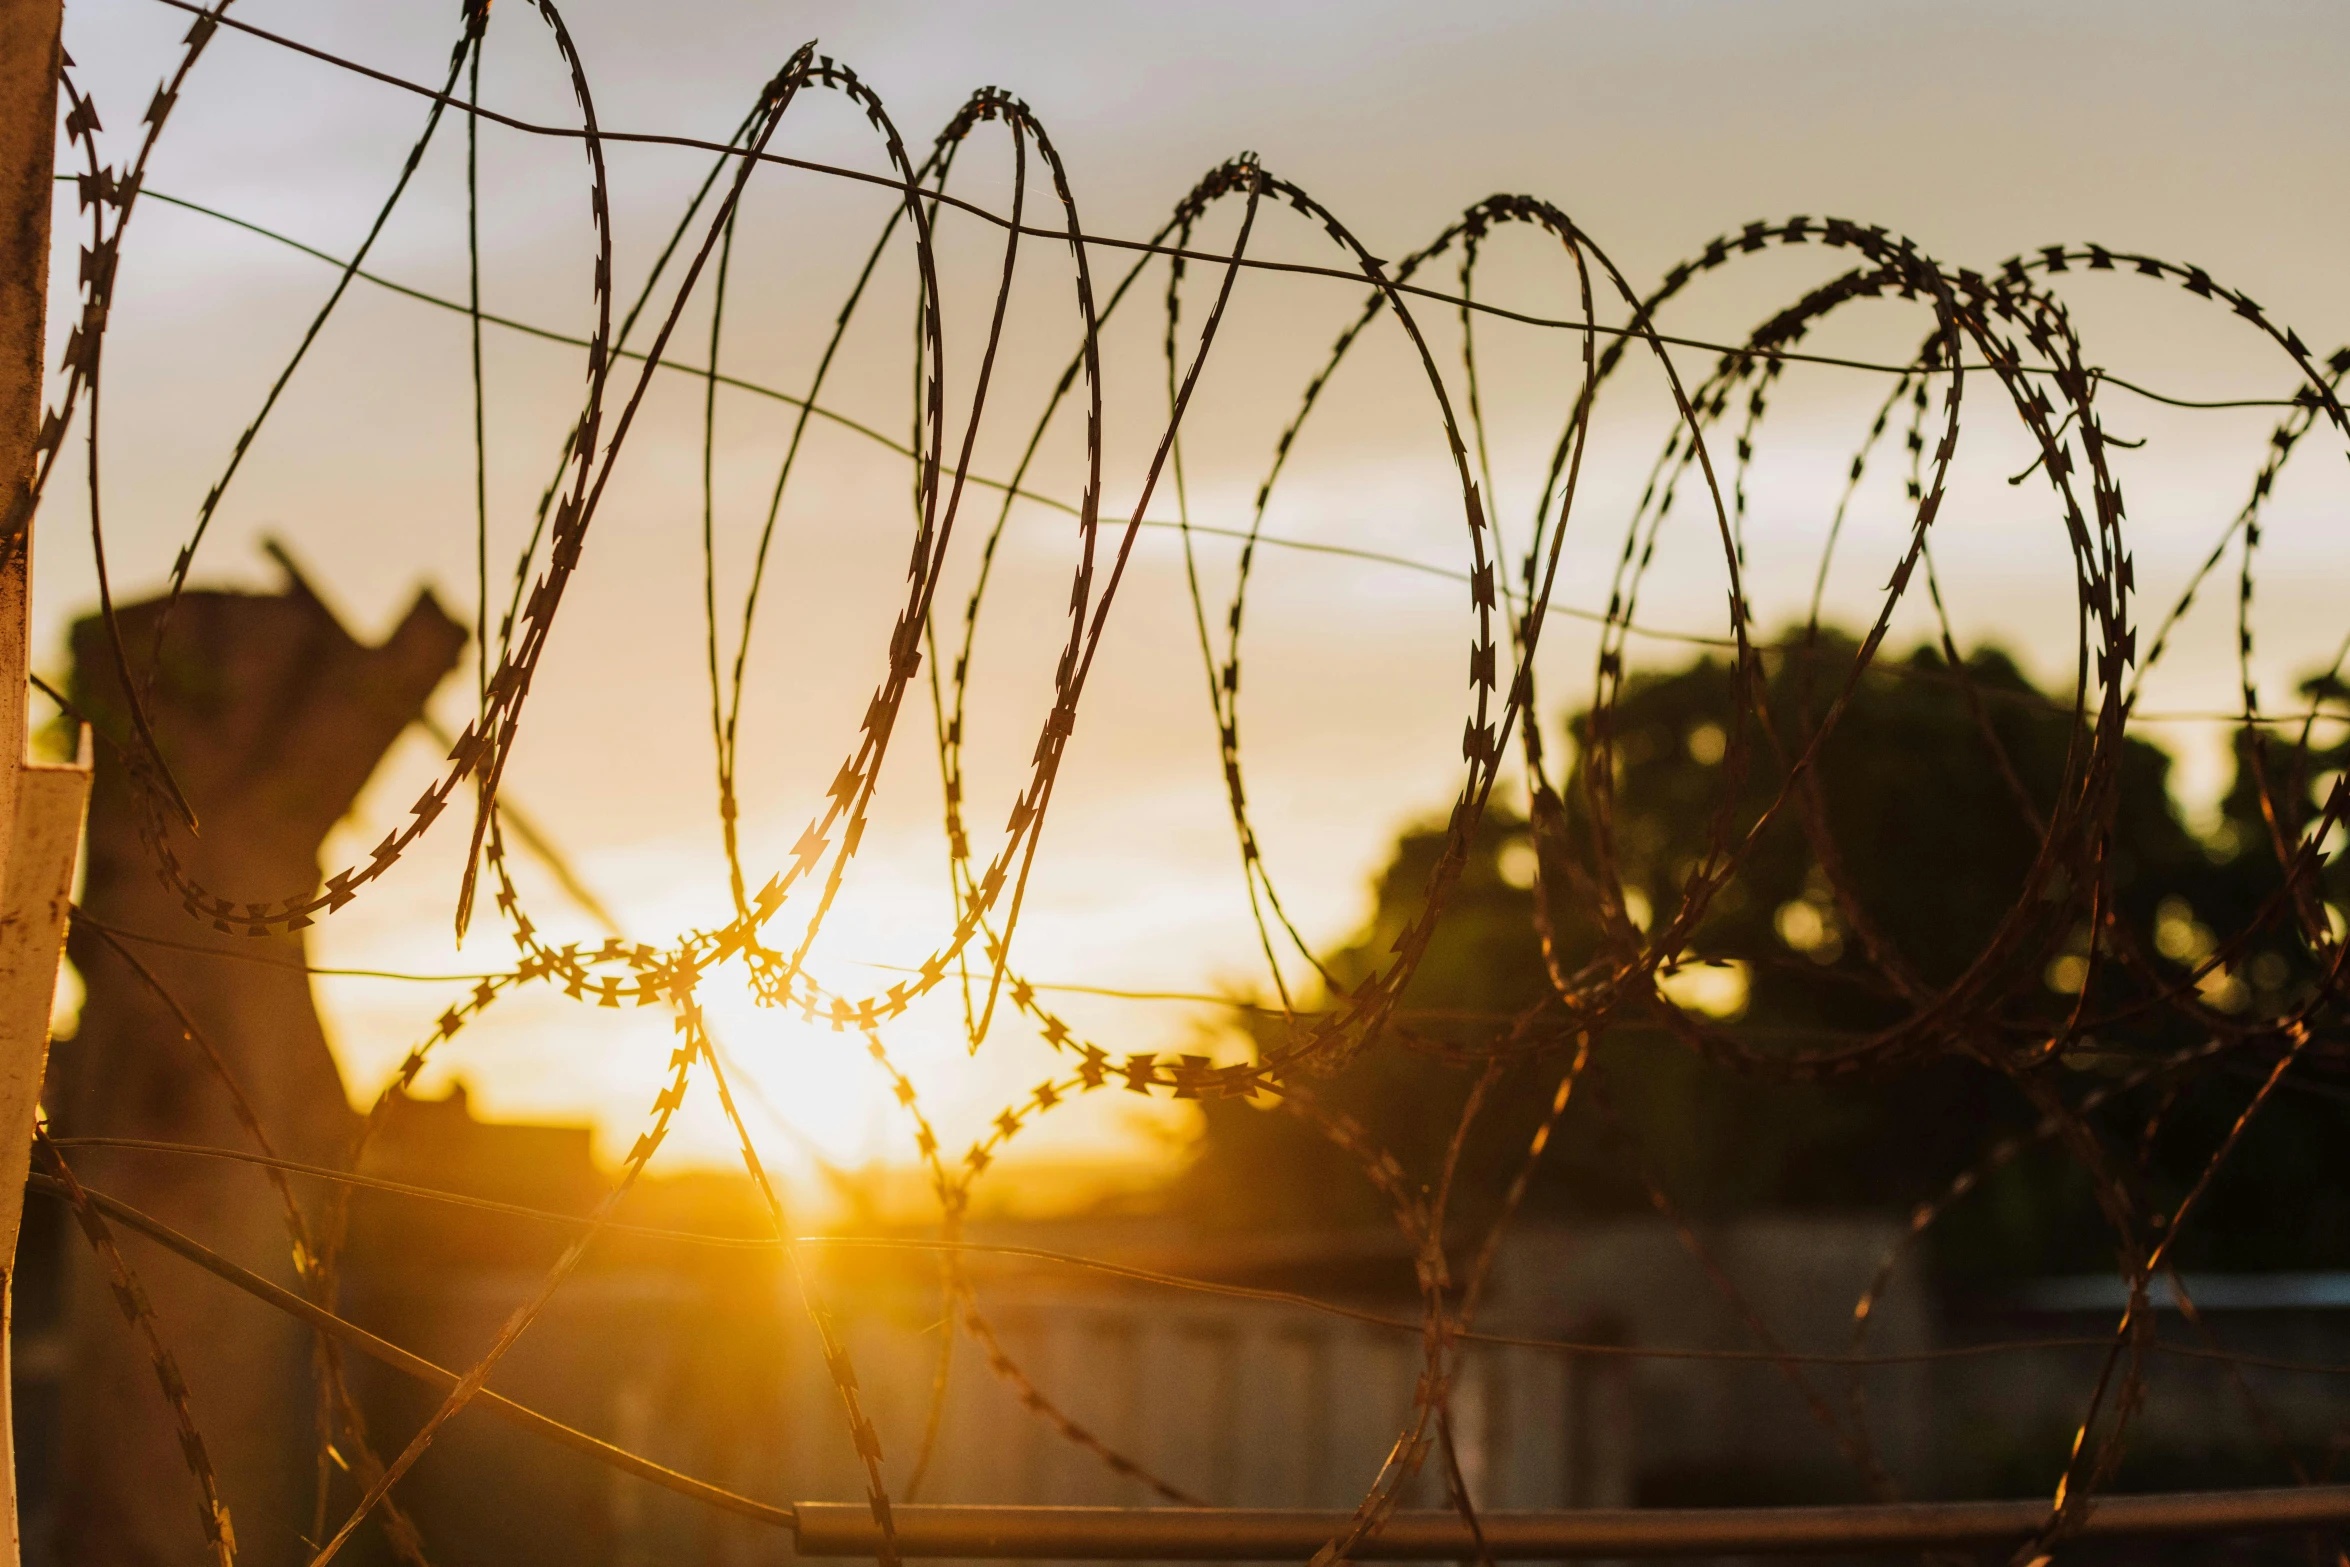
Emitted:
<point x="2203" y="133"/>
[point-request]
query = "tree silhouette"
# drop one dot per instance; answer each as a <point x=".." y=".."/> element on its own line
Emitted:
<point x="1892" y="863"/>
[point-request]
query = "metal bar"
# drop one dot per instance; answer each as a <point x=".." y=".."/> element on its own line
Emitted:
<point x="1217" y="1534"/>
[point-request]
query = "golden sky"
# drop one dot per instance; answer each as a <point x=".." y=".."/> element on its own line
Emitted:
<point x="2193" y="132"/>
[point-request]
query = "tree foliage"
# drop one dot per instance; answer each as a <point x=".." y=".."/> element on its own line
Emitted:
<point x="1885" y="874"/>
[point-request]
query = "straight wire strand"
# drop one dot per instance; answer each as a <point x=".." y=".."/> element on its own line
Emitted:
<point x="1143" y="247"/>
<point x="1176" y="1281"/>
<point x="415" y="1365"/>
<point x="1054" y="503"/>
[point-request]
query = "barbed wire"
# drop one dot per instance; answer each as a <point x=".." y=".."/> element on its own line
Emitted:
<point x="2007" y="329"/>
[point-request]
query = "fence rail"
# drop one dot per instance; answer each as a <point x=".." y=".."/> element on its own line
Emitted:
<point x="1219" y="1534"/>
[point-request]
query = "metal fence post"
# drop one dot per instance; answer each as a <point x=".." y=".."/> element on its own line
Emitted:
<point x="41" y="807"/>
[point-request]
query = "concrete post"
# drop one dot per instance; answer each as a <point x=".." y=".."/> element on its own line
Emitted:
<point x="273" y="716"/>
